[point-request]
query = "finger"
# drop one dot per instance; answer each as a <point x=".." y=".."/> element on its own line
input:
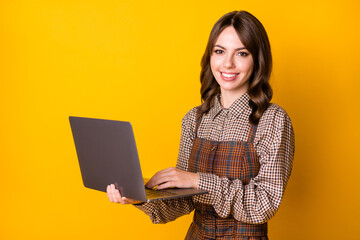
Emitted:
<point x="115" y="192"/>
<point x="112" y="191"/>
<point x="162" y="172"/>
<point x="161" y="176"/>
<point x="117" y="195"/>
<point x="155" y="177"/>
<point x="108" y="192"/>
<point x="166" y="185"/>
<point x="153" y="181"/>
<point x="159" y="180"/>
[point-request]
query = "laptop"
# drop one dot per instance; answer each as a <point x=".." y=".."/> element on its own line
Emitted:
<point x="107" y="154"/>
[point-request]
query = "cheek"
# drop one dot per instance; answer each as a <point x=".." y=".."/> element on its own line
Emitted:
<point x="212" y="62"/>
<point x="246" y="66"/>
<point x="213" y="65"/>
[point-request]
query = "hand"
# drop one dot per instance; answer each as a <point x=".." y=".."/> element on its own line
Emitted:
<point x="115" y="197"/>
<point x="173" y="177"/>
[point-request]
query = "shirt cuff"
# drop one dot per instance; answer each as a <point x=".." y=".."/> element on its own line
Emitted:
<point x="207" y="182"/>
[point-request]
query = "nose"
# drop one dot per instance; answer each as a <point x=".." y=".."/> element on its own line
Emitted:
<point x="228" y="61"/>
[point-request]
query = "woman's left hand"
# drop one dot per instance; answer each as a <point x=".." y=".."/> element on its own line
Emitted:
<point x="173" y="177"/>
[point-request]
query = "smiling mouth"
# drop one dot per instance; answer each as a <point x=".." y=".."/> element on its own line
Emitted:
<point x="229" y="75"/>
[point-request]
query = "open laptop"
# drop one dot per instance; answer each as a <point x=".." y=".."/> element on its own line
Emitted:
<point x="107" y="154"/>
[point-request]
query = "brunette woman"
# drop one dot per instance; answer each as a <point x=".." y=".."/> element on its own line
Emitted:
<point x="236" y="145"/>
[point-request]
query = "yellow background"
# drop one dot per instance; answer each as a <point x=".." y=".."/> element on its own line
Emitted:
<point x="140" y="61"/>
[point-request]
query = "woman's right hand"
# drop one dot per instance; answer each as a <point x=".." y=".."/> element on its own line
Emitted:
<point x="115" y="196"/>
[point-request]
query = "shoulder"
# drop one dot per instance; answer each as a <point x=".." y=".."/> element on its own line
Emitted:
<point x="189" y="120"/>
<point x="274" y="115"/>
<point x="274" y="124"/>
<point x="274" y="128"/>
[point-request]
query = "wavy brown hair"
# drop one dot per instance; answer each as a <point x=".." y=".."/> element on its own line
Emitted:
<point x="254" y="37"/>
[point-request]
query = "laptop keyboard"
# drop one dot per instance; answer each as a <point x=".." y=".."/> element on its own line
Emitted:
<point x="150" y="193"/>
<point x="154" y="194"/>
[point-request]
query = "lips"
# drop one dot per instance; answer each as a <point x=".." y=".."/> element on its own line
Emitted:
<point x="228" y="76"/>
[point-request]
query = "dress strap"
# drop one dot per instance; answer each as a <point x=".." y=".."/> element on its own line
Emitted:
<point x="252" y="132"/>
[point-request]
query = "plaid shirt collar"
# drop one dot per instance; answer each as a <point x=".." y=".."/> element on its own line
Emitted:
<point x="239" y="107"/>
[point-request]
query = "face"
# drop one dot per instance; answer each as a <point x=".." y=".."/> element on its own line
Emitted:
<point x="231" y="64"/>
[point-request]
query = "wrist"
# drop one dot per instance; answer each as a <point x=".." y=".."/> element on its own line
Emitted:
<point x="196" y="180"/>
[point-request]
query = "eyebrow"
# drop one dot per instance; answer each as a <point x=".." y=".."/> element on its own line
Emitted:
<point x="242" y="48"/>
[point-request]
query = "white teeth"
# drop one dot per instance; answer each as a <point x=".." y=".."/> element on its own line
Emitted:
<point x="229" y="75"/>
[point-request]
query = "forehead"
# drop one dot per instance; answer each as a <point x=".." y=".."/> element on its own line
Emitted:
<point x="228" y="38"/>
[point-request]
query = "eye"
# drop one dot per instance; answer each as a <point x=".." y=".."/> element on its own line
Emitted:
<point x="218" y="51"/>
<point x="243" y="54"/>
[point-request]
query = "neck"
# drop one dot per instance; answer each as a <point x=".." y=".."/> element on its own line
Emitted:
<point x="227" y="98"/>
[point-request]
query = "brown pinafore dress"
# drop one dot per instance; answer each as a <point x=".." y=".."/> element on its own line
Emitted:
<point x="231" y="159"/>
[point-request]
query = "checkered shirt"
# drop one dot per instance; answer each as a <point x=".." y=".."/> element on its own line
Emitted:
<point x="255" y="202"/>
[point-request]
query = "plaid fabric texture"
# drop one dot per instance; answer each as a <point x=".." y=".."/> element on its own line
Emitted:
<point x="231" y="159"/>
<point x="253" y="200"/>
<point x="225" y="159"/>
<point x="195" y="233"/>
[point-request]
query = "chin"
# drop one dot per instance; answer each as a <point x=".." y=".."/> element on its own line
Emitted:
<point x="239" y="89"/>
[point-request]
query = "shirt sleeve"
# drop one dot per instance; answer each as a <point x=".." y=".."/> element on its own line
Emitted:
<point x="168" y="210"/>
<point x="257" y="201"/>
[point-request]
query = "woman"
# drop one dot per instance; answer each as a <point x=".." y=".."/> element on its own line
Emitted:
<point x="236" y="145"/>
